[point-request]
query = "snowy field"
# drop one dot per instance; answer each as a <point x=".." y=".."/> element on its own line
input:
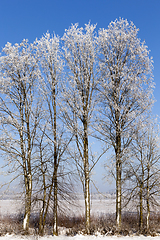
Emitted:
<point x="79" y="237"/>
<point x="98" y="207"/>
<point x="8" y="207"/>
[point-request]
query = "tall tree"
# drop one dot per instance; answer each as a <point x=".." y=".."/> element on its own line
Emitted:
<point x="125" y="90"/>
<point x="152" y="183"/>
<point x="144" y="171"/>
<point x="79" y="102"/>
<point x="51" y="66"/>
<point x="20" y="112"/>
<point x="138" y="171"/>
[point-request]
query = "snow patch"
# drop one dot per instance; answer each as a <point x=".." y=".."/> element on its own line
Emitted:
<point x="25" y="221"/>
<point x="80" y="237"/>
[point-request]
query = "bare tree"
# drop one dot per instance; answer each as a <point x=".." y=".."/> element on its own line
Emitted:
<point x="152" y="168"/>
<point x="51" y="66"/>
<point x="79" y="102"/>
<point x="137" y="171"/>
<point x="20" y="113"/>
<point x="144" y="169"/>
<point x="125" y="90"/>
<point x="43" y="179"/>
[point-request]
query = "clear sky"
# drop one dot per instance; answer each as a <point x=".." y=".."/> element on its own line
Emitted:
<point x="30" y="19"/>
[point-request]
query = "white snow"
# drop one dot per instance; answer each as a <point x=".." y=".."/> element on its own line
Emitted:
<point x="25" y="221"/>
<point x="9" y="206"/>
<point x="98" y="207"/>
<point x="78" y="237"/>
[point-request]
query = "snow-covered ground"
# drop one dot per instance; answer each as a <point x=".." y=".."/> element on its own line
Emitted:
<point x="78" y="237"/>
<point x="98" y="207"/>
<point x="8" y="207"/>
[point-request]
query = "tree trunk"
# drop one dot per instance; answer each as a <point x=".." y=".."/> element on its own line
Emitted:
<point x="55" y="226"/>
<point x="87" y="203"/>
<point x="118" y="172"/>
<point x="148" y="214"/>
<point x="46" y="205"/>
<point x="118" y="194"/>
<point x="28" y="184"/>
<point x="141" y="208"/>
<point x="42" y="212"/>
<point x="28" y="171"/>
<point x="148" y="205"/>
<point x="87" y="180"/>
<point x="41" y="228"/>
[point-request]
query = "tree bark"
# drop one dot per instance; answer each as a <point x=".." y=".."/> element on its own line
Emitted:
<point x="118" y="172"/>
<point x="118" y="194"/>
<point x="42" y="212"/>
<point x="28" y="184"/>
<point x="87" y="180"/>
<point x="148" y="205"/>
<point x="148" y="213"/>
<point x="141" y="207"/>
<point x="55" y="226"/>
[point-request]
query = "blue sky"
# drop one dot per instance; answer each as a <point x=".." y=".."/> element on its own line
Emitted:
<point x="30" y="19"/>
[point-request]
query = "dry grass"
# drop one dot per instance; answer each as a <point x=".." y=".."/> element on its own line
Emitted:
<point x="10" y="225"/>
<point x="104" y="224"/>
